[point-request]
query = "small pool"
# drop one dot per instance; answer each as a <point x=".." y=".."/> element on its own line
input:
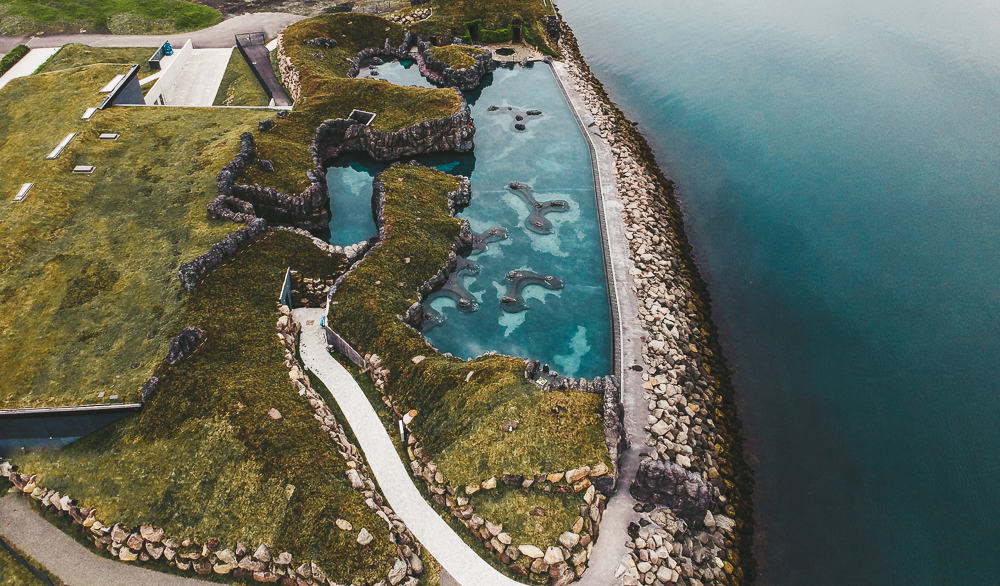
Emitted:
<point x="349" y="182"/>
<point x="402" y="72"/>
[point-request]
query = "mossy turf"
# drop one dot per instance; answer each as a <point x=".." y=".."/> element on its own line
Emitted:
<point x="88" y="293"/>
<point x="203" y="458"/>
<point x="326" y="93"/>
<point x="456" y="56"/>
<point x="240" y="87"/>
<point x="21" y="17"/>
<point x="459" y="420"/>
<point x="75" y="55"/>
<point x="530" y="516"/>
<point x="496" y="16"/>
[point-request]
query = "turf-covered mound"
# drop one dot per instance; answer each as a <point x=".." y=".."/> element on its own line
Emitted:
<point x="206" y="459"/>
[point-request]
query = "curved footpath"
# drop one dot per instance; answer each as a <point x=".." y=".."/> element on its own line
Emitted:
<point x="220" y="36"/>
<point x="70" y="561"/>
<point x="454" y="555"/>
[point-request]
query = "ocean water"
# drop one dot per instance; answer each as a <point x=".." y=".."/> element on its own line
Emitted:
<point x="839" y="168"/>
<point x="568" y="328"/>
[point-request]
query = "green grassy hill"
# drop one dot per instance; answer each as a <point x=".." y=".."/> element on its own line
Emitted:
<point x="136" y="17"/>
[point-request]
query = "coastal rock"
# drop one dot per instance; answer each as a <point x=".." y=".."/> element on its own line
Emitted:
<point x="665" y="483"/>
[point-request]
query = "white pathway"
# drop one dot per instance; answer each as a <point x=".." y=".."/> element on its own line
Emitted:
<point x="28" y="64"/>
<point x="457" y="558"/>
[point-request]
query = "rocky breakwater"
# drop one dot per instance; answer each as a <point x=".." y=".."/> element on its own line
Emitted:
<point x="694" y="463"/>
<point x="556" y="564"/>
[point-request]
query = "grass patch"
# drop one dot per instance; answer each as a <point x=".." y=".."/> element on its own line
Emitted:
<point x="391" y="427"/>
<point x="21" y="17"/>
<point x="203" y="458"/>
<point x="521" y="517"/>
<point x="240" y="86"/>
<point x="12" y="57"/>
<point x="88" y="293"/>
<point x="287" y="144"/>
<point x="495" y="19"/>
<point x="457" y="56"/>
<point x="459" y="420"/>
<point x="75" y="55"/>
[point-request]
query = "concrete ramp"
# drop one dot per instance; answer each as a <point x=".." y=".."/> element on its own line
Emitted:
<point x="252" y="47"/>
<point x="191" y="78"/>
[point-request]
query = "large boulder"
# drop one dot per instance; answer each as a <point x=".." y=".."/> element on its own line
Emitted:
<point x="664" y="483"/>
<point x="183" y="343"/>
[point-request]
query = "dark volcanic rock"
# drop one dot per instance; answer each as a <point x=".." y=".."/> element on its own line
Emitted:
<point x="661" y="482"/>
<point x="265" y="125"/>
<point x="192" y="272"/>
<point x="183" y="343"/>
<point x="322" y="42"/>
<point x="149" y="388"/>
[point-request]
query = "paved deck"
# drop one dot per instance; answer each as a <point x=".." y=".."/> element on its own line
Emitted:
<point x="27" y="64"/>
<point x="70" y="561"/>
<point x="259" y="58"/>
<point x="610" y="548"/>
<point x="454" y="555"/>
<point x="198" y="82"/>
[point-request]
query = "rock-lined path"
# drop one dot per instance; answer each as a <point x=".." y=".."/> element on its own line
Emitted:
<point x="454" y="555"/>
<point x="610" y="548"/>
<point x="222" y="35"/>
<point x="70" y="561"/>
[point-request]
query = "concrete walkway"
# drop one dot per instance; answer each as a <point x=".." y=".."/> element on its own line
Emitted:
<point x="70" y="561"/>
<point x="221" y="35"/>
<point x="457" y="558"/>
<point x="609" y="550"/>
<point x="27" y="64"/>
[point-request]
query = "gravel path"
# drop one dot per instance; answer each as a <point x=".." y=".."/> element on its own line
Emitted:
<point x="73" y="563"/>
<point x="457" y="558"/>
<point x="222" y="35"/>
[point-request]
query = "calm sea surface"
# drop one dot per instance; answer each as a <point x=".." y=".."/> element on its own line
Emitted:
<point x="839" y="166"/>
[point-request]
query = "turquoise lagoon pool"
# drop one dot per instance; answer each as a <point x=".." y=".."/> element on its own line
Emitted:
<point x="568" y="328"/>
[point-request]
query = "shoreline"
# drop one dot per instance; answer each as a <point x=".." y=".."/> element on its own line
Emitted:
<point x="631" y="151"/>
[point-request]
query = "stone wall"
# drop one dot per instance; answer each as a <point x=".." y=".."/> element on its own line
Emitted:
<point x="309" y="210"/>
<point x="556" y="564"/>
<point x="190" y="273"/>
<point x="287" y="72"/>
<point x="463" y="79"/>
